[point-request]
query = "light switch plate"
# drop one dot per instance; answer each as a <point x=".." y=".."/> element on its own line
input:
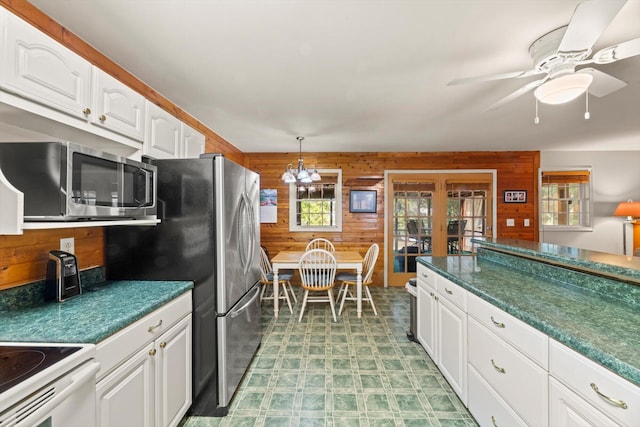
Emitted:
<point x="68" y="245"/>
<point x="511" y="222"/>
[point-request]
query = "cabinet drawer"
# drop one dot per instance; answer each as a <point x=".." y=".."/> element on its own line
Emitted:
<point x="519" y="381"/>
<point x="579" y="373"/>
<point x="426" y="275"/>
<point x="567" y="409"/>
<point x="528" y="340"/>
<point x="486" y="406"/>
<point x="455" y="294"/>
<point x="112" y="351"/>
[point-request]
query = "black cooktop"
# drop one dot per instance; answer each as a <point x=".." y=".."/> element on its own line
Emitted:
<point x="17" y="363"/>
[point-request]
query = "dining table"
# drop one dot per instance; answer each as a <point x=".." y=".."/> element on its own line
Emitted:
<point x="345" y="260"/>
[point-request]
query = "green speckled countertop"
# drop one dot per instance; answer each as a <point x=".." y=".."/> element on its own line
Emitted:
<point x="598" y="317"/>
<point x="100" y="311"/>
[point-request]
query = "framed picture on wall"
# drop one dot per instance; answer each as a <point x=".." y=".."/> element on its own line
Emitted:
<point x="515" y="196"/>
<point x="363" y="201"/>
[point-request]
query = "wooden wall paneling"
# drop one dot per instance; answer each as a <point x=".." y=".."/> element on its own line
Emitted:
<point x="361" y="230"/>
<point x="23" y="258"/>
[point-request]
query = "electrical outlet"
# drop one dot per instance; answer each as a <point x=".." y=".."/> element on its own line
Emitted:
<point x="511" y="222"/>
<point x="527" y="223"/>
<point x="68" y="245"/>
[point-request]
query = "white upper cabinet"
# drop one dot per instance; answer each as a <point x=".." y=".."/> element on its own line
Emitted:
<point x="37" y="67"/>
<point x="192" y="142"/>
<point x="117" y="107"/>
<point x="162" y="133"/>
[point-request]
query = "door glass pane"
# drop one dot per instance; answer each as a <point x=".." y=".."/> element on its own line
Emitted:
<point x="467" y="214"/>
<point x="412" y="222"/>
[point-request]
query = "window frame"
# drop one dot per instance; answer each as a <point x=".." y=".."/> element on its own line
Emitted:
<point x="293" y="205"/>
<point x="588" y="224"/>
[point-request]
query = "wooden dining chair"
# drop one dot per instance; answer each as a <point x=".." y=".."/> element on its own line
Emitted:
<point x="317" y="269"/>
<point x="321" y="243"/>
<point x="266" y="279"/>
<point x="348" y="278"/>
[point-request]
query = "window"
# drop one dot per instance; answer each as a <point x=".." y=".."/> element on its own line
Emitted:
<point x="317" y="206"/>
<point x="565" y="199"/>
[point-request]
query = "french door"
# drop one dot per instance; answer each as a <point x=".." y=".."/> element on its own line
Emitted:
<point x="434" y="214"/>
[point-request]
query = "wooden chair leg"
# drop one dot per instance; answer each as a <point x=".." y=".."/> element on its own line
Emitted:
<point x="286" y="295"/>
<point x="333" y="307"/>
<point x="373" y="306"/>
<point x="293" y="294"/>
<point x="344" y="289"/>
<point x="304" y="304"/>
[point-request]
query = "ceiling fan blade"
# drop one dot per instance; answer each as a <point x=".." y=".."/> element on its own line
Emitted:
<point x="511" y="75"/>
<point x="603" y="84"/>
<point x="617" y="52"/>
<point x="516" y="94"/>
<point x="587" y="24"/>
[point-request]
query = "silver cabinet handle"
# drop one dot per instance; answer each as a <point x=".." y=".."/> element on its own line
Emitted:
<point x="498" y="368"/>
<point x="614" y="402"/>
<point x="448" y="291"/>
<point x="151" y="328"/>
<point x="498" y="324"/>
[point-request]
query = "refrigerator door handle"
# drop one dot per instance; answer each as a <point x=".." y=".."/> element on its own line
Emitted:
<point x="246" y="213"/>
<point x="239" y="310"/>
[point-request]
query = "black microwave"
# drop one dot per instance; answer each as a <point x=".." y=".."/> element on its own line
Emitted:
<point x="63" y="181"/>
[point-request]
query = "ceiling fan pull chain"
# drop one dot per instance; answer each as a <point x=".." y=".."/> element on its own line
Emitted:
<point x="536" y="120"/>
<point x="586" y="113"/>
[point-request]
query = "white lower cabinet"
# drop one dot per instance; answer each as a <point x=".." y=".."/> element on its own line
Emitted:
<point x="145" y="378"/>
<point x="442" y="327"/>
<point x="487" y="407"/>
<point x="519" y="381"/>
<point x="567" y="409"/>
<point x="592" y="389"/>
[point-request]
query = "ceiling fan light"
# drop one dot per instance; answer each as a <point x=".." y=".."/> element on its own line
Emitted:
<point x="564" y="88"/>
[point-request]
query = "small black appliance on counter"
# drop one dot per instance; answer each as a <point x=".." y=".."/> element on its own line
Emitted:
<point x="63" y="277"/>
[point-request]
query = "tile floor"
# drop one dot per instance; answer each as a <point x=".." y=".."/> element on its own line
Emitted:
<point x="356" y="372"/>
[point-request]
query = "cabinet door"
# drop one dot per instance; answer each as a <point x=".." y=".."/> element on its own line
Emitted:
<point x="452" y="346"/>
<point x="125" y="397"/>
<point x="426" y="319"/>
<point x="173" y="381"/>
<point x="192" y="143"/>
<point x="116" y="106"/>
<point x="162" y="133"/>
<point x="39" y="68"/>
<point x="567" y="409"/>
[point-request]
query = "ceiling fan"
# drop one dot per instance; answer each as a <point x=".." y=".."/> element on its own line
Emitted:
<point x="558" y="53"/>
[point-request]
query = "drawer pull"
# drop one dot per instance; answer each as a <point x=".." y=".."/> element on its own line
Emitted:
<point x="102" y="118"/>
<point x="493" y="421"/>
<point x="614" y="402"/>
<point x="498" y="368"/>
<point x="431" y="293"/>
<point x="426" y="276"/>
<point x="152" y="352"/>
<point x="151" y="328"/>
<point x="163" y="344"/>
<point x="498" y="324"/>
<point x="86" y="111"/>
<point x="448" y="291"/>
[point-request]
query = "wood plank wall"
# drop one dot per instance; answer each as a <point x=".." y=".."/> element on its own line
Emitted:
<point x="23" y="258"/>
<point x="515" y="171"/>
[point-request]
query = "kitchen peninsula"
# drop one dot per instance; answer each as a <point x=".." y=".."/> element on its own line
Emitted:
<point x="523" y="317"/>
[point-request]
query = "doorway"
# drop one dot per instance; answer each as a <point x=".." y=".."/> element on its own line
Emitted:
<point x="434" y="214"/>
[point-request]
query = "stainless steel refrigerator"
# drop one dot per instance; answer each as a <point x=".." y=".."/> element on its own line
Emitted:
<point x="210" y="233"/>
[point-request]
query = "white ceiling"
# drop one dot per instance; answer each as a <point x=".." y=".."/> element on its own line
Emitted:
<point x="360" y="75"/>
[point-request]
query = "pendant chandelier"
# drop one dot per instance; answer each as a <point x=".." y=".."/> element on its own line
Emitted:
<point x="300" y="174"/>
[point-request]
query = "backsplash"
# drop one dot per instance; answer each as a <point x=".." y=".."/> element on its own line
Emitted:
<point x="31" y="294"/>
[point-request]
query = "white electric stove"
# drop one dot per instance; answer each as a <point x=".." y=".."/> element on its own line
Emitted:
<point x="50" y="385"/>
